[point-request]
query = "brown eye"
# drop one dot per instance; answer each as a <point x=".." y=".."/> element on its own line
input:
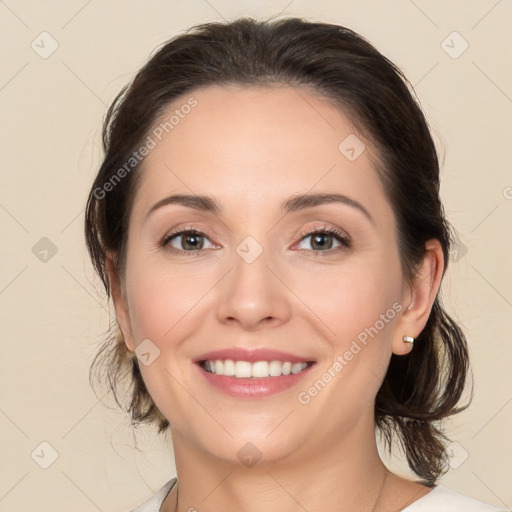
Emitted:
<point x="322" y="240"/>
<point x="191" y="240"/>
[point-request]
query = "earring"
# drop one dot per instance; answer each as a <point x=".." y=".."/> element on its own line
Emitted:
<point x="408" y="339"/>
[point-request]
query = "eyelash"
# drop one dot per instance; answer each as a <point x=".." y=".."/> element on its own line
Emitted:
<point x="338" y="235"/>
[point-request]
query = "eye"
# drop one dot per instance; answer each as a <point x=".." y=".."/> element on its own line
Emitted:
<point x="323" y="238"/>
<point x="192" y="241"/>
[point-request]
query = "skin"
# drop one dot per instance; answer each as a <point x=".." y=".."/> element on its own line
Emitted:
<point x="252" y="149"/>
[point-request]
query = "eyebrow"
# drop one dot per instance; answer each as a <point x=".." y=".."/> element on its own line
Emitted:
<point x="293" y="204"/>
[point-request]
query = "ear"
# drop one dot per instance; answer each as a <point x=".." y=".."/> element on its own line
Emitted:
<point x="120" y="302"/>
<point x="419" y="298"/>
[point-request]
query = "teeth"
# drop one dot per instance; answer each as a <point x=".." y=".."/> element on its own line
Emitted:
<point x="245" y="369"/>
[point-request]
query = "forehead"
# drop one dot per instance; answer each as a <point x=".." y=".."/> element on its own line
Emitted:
<point x="256" y="144"/>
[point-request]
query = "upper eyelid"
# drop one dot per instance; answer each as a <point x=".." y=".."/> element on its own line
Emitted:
<point x="323" y="227"/>
<point x="303" y="233"/>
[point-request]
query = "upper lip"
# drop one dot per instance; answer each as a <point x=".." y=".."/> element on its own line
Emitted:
<point x="251" y="355"/>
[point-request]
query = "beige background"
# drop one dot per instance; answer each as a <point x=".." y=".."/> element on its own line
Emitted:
<point x="53" y="312"/>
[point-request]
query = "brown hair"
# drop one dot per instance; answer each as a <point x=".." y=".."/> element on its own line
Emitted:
<point x="419" y="389"/>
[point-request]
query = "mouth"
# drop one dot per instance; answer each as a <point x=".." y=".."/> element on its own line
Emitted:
<point x="253" y="370"/>
<point x="252" y="380"/>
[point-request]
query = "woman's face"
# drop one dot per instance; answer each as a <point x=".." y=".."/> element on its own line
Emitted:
<point x="259" y="276"/>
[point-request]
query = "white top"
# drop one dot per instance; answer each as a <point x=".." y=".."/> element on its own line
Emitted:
<point x="439" y="499"/>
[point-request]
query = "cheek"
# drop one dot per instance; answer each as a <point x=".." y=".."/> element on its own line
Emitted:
<point x="354" y="308"/>
<point x="349" y="298"/>
<point x="357" y="319"/>
<point x="162" y="301"/>
<point x="160" y="296"/>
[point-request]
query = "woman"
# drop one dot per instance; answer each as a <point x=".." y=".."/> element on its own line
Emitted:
<point x="267" y="222"/>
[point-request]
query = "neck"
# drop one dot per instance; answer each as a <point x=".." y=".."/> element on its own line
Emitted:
<point x="323" y="474"/>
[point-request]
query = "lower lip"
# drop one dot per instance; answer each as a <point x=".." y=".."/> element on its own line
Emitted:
<point x="256" y="387"/>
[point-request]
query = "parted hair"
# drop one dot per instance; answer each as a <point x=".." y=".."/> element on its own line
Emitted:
<point x="420" y="389"/>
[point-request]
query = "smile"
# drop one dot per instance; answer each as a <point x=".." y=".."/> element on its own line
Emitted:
<point x="259" y="369"/>
<point x="261" y="379"/>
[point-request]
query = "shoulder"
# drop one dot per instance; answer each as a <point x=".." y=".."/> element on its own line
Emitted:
<point x="154" y="503"/>
<point x="442" y="499"/>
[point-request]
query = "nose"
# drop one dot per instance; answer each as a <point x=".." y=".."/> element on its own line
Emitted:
<point x="253" y="294"/>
